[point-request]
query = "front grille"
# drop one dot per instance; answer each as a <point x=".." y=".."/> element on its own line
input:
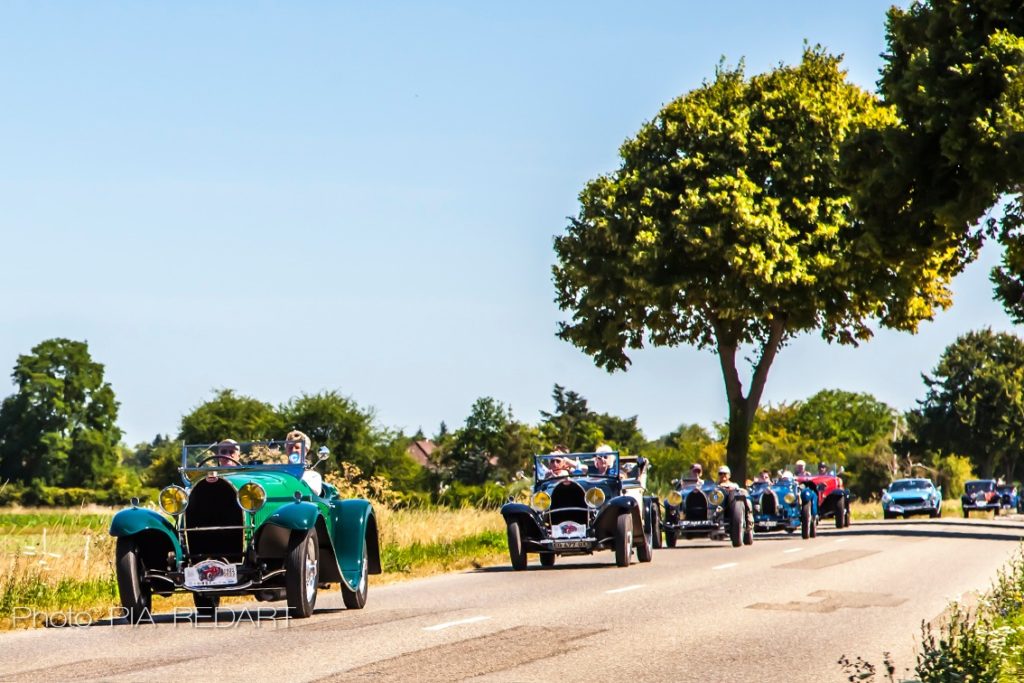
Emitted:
<point x="696" y="505"/>
<point x="568" y="494"/>
<point x="768" y="503"/>
<point x="911" y="501"/>
<point x="213" y="504"/>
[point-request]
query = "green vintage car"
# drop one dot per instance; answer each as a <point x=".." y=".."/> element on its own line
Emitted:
<point x="252" y="521"/>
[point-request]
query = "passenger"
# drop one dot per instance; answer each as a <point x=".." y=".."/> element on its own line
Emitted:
<point x="724" y="478"/>
<point x="296" y="447"/>
<point x="228" y="452"/>
<point x="801" y="469"/>
<point x="601" y="465"/>
<point x="766" y="476"/>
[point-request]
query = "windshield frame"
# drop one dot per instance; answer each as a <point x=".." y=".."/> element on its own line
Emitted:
<point x="542" y="473"/>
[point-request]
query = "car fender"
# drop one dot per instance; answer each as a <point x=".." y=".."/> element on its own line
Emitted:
<point x="809" y="496"/>
<point x="156" y="535"/>
<point x="608" y="515"/>
<point x="355" y="522"/>
<point x="526" y="516"/>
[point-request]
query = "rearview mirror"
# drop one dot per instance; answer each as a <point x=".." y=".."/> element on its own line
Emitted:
<point x="323" y="453"/>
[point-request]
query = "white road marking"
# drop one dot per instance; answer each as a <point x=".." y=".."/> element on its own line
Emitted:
<point x="726" y="565"/>
<point x="793" y="550"/>
<point x="449" y="624"/>
<point x="625" y="588"/>
<point x="842" y="540"/>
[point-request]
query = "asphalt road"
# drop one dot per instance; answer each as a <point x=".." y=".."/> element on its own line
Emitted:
<point x="783" y="609"/>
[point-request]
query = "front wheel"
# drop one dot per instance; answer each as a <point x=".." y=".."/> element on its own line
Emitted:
<point x="547" y="559"/>
<point x="645" y="551"/>
<point x="356" y="599"/>
<point x="805" y="521"/>
<point x="515" y="547"/>
<point x="966" y="514"/>
<point x="670" y="538"/>
<point x="301" y="573"/>
<point x="206" y="605"/>
<point x="655" y="528"/>
<point x="136" y="596"/>
<point x="623" y="539"/>
<point x="840" y="513"/>
<point x="737" y="522"/>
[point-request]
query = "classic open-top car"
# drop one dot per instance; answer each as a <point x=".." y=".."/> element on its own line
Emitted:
<point x="707" y="509"/>
<point x="1008" y="497"/>
<point x="784" y="505"/>
<point x="248" y="520"/>
<point x="582" y="502"/>
<point x="980" y="494"/>
<point x="833" y="496"/>
<point x="912" y="497"/>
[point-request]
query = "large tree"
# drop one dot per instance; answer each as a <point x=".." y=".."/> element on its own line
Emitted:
<point x="729" y="226"/>
<point x="954" y="73"/>
<point x="60" y="426"/>
<point x="975" y="402"/>
<point x="231" y="415"/>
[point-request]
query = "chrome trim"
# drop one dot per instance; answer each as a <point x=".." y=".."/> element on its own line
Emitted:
<point x="214" y="528"/>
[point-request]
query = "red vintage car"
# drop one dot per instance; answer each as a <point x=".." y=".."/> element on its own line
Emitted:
<point x="833" y="496"/>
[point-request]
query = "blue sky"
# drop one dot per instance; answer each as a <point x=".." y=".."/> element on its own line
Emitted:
<point x="286" y="197"/>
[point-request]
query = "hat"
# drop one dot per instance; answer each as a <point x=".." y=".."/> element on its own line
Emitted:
<point x="801" y="462"/>
<point x="604" y="448"/>
<point x="227" y="442"/>
<point x="724" y="469"/>
<point x="296" y="435"/>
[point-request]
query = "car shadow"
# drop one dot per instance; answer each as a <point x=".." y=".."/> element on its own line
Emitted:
<point x="1014" y="533"/>
<point x="535" y="566"/>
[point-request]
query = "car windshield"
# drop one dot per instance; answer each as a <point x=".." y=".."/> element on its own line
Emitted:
<point x="227" y="454"/>
<point x="555" y="465"/>
<point x="909" y="485"/>
<point x="1005" y="489"/>
<point x="977" y="486"/>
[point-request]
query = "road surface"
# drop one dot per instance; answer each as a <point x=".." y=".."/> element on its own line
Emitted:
<point x="783" y="609"/>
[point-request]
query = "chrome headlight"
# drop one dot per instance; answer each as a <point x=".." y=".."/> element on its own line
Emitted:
<point x="716" y="497"/>
<point x="173" y="500"/>
<point x="790" y="498"/>
<point x="674" y="498"/>
<point x="595" y="497"/>
<point x="251" y="497"/>
<point x="540" y="501"/>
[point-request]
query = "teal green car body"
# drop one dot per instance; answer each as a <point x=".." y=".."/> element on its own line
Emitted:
<point x="214" y="531"/>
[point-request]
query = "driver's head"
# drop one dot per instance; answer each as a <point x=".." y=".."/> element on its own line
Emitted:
<point x="822" y="468"/>
<point x="766" y="476"/>
<point x="724" y="473"/>
<point x="228" y="448"/>
<point x="800" y="466"/>
<point x="696" y="470"/>
<point x="296" y="443"/>
<point x="603" y="458"/>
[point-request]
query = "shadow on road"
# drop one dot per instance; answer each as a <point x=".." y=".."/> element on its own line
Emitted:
<point x="935" y="529"/>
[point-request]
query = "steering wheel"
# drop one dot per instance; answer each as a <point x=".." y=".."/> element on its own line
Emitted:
<point x="218" y="457"/>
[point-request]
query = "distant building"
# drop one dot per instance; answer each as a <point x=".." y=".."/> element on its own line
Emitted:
<point x="420" y="450"/>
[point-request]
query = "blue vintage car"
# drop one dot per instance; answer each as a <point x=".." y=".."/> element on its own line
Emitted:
<point x="1008" y="497"/>
<point x="912" y="497"/>
<point x="707" y="509"/>
<point x="785" y="505"/>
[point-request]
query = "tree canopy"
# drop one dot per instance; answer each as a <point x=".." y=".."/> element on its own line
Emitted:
<point x="730" y="223"/>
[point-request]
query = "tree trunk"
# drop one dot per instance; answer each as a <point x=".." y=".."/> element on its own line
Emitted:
<point x="742" y="409"/>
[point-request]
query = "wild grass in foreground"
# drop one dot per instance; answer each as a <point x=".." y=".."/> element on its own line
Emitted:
<point x="62" y="560"/>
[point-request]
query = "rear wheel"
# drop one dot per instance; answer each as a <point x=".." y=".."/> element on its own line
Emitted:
<point x="645" y="551"/>
<point x="547" y="559"/>
<point x="655" y="528"/>
<point x="301" y="573"/>
<point x="805" y="520"/>
<point x="995" y="512"/>
<point x="515" y="546"/>
<point x="623" y="540"/>
<point x="136" y="596"/>
<point x="966" y="514"/>
<point x="356" y="599"/>
<point x="748" y="532"/>
<point x="737" y="522"/>
<point x="889" y="515"/>
<point x="670" y="538"/>
<point x="840" y="513"/>
<point x="206" y="605"/>
<point x="814" y="526"/>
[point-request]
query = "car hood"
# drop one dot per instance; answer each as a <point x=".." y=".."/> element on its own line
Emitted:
<point x="276" y="482"/>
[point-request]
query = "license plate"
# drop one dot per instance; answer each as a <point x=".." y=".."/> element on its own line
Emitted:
<point x="568" y="530"/>
<point x="570" y="545"/>
<point x="211" y="573"/>
<point x="769" y="524"/>
<point x="694" y="523"/>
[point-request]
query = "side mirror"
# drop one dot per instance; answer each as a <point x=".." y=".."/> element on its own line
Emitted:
<point x="674" y="482"/>
<point x="323" y="453"/>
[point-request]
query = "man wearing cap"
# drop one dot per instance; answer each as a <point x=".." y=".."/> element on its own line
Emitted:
<point x="724" y="481"/>
<point x="228" y="451"/>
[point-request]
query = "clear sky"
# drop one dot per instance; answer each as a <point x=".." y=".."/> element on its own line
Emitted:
<point x="280" y="197"/>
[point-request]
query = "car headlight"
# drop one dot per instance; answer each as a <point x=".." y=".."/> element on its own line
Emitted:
<point x="540" y="501"/>
<point x="716" y="497"/>
<point x="595" y="497"/>
<point x="173" y="500"/>
<point x="251" y="497"/>
<point x="790" y="498"/>
<point x="675" y="499"/>
<point x="885" y="498"/>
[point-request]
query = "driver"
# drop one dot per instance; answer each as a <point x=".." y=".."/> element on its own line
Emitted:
<point x="228" y="453"/>
<point x="724" y="478"/>
<point x="297" y="445"/>
<point x="602" y="462"/>
<point x="694" y="476"/>
<point x="801" y="469"/>
<point x="766" y="476"/>
<point x="822" y="468"/>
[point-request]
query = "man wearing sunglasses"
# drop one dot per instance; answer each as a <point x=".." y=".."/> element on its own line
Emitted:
<point x="228" y="452"/>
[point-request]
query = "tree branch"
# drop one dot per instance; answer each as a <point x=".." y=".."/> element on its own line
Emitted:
<point x="764" y="364"/>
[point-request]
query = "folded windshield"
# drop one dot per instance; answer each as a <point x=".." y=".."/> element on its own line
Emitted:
<point x="909" y="485"/>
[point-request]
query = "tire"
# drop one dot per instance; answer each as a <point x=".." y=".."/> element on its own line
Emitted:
<point x="748" y="528"/>
<point x="814" y="526"/>
<point x="995" y="512"/>
<point x="356" y="599"/>
<point x="933" y="514"/>
<point x="966" y="514"/>
<point x="206" y="605"/>
<point x="848" y="518"/>
<point x="515" y="546"/>
<point x="645" y="551"/>
<point x="840" y="513"/>
<point x="670" y="538"/>
<point x="623" y="539"/>
<point x="136" y="596"/>
<point x="655" y="528"/>
<point x="301" y="573"/>
<point x="805" y="521"/>
<point x="737" y="522"/>
<point x="547" y="559"/>
<point x="888" y="515"/>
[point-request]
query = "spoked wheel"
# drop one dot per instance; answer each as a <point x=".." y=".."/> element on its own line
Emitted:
<point x="515" y="546"/>
<point x="547" y="559"/>
<point x="840" y="513"/>
<point x="206" y="605"/>
<point x="623" y="539"/>
<point x="737" y="522"/>
<point x="301" y="573"/>
<point x="136" y="596"/>
<point x="356" y="599"/>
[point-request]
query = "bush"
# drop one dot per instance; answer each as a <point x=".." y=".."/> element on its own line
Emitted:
<point x="487" y="495"/>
